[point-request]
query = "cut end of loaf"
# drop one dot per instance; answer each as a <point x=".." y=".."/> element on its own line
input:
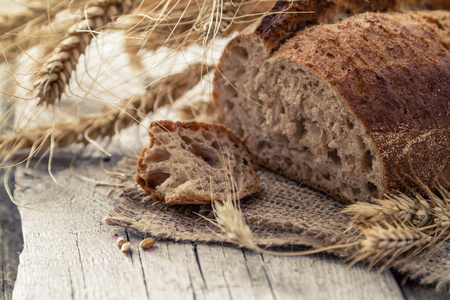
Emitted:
<point x="196" y="163"/>
<point x="299" y="125"/>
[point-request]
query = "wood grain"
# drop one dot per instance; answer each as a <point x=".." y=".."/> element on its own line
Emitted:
<point x="10" y="243"/>
<point x="71" y="254"/>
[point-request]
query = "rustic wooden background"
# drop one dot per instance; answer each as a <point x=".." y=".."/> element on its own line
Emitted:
<point x="69" y="253"/>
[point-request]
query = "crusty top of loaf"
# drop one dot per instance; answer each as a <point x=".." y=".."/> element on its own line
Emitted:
<point x="288" y="17"/>
<point x="384" y="66"/>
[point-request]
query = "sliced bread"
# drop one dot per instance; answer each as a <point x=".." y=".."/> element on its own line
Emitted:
<point x="195" y="163"/>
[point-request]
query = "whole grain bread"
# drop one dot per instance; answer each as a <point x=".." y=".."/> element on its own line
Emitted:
<point x="357" y="109"/>
<point x="196" y="163"/>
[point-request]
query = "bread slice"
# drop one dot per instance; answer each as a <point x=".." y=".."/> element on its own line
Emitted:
<point x="357" y="109"/>
<point x="195" y="163"/>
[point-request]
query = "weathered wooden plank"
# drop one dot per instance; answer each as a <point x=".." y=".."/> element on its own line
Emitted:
<point x="170" y="270"/>
<point x="325" y="278"/>
<point x="225" y="274"/>
<point x="69" y="252"/>
<point x="10" y="243"/>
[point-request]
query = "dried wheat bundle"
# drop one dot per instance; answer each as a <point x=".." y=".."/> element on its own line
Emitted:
<point x="104" y="124"/>
<point x="163" y="23"/>
<point x="56" y="34"/>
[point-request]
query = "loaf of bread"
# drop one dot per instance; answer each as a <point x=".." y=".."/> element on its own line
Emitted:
<point x="357" y="109"/>
<point x="195" y="163"/>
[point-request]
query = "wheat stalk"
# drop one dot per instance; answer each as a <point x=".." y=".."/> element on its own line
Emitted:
<point x="190" y="23"/>
<point x="230" y="220"/>
<point x="57" y="70"/>
<point x="105" y="124"/>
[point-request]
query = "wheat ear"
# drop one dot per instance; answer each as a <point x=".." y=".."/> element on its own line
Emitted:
<point x="19" y="36"/>
<point x="107" y="123"/>
<point x="384" y="243"/>
<point x="55" y="74"/>
<point x="429" y="214"/>
<point x="391" y="207"/>
<point x="402" y="225"/>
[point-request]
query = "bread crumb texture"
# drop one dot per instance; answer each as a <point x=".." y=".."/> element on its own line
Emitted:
<point x="357" y="109"/>
<point x="196" y="163"/>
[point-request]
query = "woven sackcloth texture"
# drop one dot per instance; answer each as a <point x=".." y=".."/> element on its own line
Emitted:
<point x="281" y="213"/>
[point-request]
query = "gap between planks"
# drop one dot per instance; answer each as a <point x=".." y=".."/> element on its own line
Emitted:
<point x="10" y="242"/>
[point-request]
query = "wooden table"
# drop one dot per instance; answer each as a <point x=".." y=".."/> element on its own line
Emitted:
<point x="69" y="253"/>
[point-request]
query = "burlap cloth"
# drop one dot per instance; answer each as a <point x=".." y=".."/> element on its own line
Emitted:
<point x="281" y="213"/>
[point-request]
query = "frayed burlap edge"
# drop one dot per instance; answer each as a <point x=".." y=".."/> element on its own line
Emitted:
<point x="281" y="213"/>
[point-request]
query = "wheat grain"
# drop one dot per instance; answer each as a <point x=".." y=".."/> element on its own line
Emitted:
<point x="120" y="242"/>
<point x="147" y="243"/>
<point x="125" y="247"/>
<point x="55" y="74"/>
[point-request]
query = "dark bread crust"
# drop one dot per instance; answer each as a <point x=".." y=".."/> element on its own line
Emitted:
<point x="277" y="27"/>
<point x="393" y="72"/>
<point x="170" y="126"/>
<point x="287" y="17"/>
<point x="414" y="158"/>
